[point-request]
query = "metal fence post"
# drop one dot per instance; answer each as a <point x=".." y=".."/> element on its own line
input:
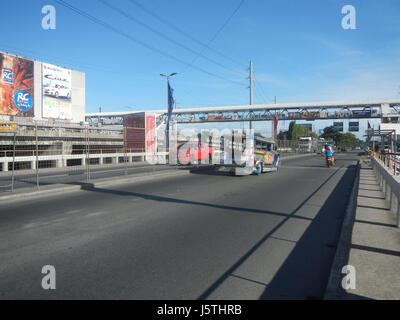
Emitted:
<point x="87" y="155"/>
<point x="13" y="163"/>
<point x="37" y="156"/>
<point x="125" y="154"/>
<point x="398" y="213"/>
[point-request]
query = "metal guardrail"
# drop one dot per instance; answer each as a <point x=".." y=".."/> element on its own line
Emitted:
<point x="387" y="168"/>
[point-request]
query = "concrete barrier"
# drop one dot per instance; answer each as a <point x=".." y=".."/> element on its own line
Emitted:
<point x="388" y="182"/>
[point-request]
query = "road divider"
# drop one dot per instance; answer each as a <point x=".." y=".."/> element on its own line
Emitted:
<point x="57" y="189"/>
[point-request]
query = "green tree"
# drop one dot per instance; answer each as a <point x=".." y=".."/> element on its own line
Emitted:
<point x="330" y="133"/>
<point x="295" y="132"/>
<point x="347" y="140"/>
<point x="341" y="140"/>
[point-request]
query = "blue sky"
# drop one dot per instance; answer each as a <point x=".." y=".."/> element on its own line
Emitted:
<point x="299" y="50"/>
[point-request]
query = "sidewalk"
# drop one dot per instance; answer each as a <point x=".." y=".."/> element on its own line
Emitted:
<point x="374" y="249"/>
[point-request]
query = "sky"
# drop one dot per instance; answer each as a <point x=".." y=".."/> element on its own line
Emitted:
<point x="299" y="49"/>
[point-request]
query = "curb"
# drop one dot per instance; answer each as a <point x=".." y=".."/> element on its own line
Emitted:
<point x="42" y="192"/>
<point x="119" y="166"/>
<point x="333" y="289"/>
<point x="137" y="178"/>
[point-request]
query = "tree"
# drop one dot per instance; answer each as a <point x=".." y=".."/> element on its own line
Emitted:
<point x="295" y="132"/>
<point x="341" y="140"/>
<point x="283" y="135"/>
<point x="330" y="133"/>
<point x="347" y="140"/>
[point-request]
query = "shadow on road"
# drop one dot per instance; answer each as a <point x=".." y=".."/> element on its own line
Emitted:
<point x="90" y="187"/>
<point x="308" y="266"/>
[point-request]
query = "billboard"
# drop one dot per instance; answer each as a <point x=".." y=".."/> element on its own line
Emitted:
<point x="135" y="135"/>
<point x="57" y="92"/>
<point x="16" y="86"/>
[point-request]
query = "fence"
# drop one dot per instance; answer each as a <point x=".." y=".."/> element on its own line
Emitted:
<point x="387" y="168"/>
<point x="286" y="146"/>
<point x="37" y="155"/>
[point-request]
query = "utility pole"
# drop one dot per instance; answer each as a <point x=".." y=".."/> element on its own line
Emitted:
<point x="251" y="90"/>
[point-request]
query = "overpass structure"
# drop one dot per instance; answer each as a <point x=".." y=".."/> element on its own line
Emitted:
<point x="361" y="109"/>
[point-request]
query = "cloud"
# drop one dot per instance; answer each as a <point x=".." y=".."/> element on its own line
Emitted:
<point x="369" y="78"/>
<point x="381" y="83"/>
<point x="338" y="48"/>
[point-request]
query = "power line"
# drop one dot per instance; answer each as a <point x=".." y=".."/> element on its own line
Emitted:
<point x="257" y="87"/>
<point x="187" y="35"/>
<point x="215" y="35"/>
<point x="41" y="57"/>
<point x="261" y="89"/>
<point x="258" y="96"/>
<point x="164" y="36"/>
<point x="142" y="43"/>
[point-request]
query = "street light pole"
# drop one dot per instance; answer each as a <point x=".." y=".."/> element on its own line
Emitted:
<point x="167" y="76"/>
<point x="251" y="90"/>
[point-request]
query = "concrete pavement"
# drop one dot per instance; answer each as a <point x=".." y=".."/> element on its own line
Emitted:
<point x="374" y="245"/>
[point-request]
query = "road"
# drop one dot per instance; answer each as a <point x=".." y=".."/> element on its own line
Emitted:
<point x="203" y="235"/>
<point x="70" y="175"/>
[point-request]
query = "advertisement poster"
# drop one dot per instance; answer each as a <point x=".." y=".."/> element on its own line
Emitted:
<point x="16" y="86"/>
<point x="57" y="92"/>
<point x="151" y="137"/>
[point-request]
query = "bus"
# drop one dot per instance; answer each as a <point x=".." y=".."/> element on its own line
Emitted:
<point x="308" y="144"/>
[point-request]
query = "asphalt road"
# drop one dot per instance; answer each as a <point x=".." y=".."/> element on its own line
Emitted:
<point x="204" y="235"/>
<point x="70" y="175"/>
